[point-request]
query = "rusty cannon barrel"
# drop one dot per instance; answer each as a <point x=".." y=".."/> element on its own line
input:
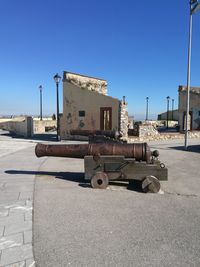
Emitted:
<point x="107" y="133"/>
<point x="139" y="151"/>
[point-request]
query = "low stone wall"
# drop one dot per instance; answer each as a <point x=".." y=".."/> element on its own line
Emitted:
<point x="22" y="126"/>
<point x="147" y="131"/>
<point x="41" y="126"/>
<point x="163" y="136"/>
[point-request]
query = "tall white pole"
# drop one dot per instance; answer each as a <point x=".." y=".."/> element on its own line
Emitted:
<point x="188" y="83"/>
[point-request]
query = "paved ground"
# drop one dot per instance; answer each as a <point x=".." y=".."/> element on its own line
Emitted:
<point x="18" y="166"/>
<point x="78" y="226"/>
<point x="16" y="195"/>
<point x="75" y="225"/>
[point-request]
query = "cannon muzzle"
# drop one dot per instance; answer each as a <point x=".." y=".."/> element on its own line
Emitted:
<point x="139" y="151"/>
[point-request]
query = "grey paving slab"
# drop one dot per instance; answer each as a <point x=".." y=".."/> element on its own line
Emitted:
<point x="28" y="237"/>
<point x="11" y="204"/>
<point x="29" y="203"/>
<point x="18" y="166"/>
<point x="18" y="187"/>
<point x="11" y="219"/>
<point x="28" y="216"/>
<point x="30" y="263"/>
<point x="26" y="195"/>
<point x="8" y="196"/>
<point x="2" y="228"/>
<point x="3" y="212"/>
<point x="16" y="254"/>
<point x="11" y="241"/>
<point x="18" y="227"/>
<point x="17" y="264"/>
<point x="20" y="209"/>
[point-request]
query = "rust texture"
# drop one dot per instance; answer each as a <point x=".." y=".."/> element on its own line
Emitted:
<point x="108" y="133"/>
<point x="139" y="151"/>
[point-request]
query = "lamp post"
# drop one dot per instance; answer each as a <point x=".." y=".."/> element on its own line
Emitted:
<point x="147" y="108"/>
<point x="40" y="88"/>
<point x="168" y="98"/>
<point x="194" y="7"/>
<point x="172" y="109"/>
<point x="57" y="79"/>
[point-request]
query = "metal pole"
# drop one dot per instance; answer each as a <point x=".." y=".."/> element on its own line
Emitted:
<point x="188" y="83"/>
<point x="147" y="108"/>
<point x="167" y="112"/>
<point x="172" y="109"/>
<point x="41" y="104"/>
<point x="58" y="119"/>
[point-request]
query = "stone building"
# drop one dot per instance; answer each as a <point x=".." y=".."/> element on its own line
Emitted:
<point x="172" y="115"/>
<point x="194" y="118"/>
<point x="87" y="106"/>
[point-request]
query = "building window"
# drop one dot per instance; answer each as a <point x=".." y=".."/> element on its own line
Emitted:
<point x="81" y="113"/>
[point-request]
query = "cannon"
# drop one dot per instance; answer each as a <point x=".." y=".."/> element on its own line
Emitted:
<point x="111" y="162"/>
<point x="107" y="133"/>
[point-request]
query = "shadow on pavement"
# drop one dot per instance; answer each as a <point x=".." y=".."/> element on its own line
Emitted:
<point x="37" y="137"/>
<point x="78" y="177"/>
<point x="193" y="148"/>
<point x="44" y="137"/>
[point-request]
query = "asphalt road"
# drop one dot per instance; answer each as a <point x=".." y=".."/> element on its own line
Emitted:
<point x="75" y="225"/>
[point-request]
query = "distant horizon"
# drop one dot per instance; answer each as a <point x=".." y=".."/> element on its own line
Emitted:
<point x="138" y="117"/>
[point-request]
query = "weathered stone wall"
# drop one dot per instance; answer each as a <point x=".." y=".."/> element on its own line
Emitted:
<point x="163" y="137"/>
<point x="123" y="119"/>
<point x="194" y="107"/>
<point x="86" y="82"/>
<point x="147" y="131"/>
<point x="81" y="109"/>
<point x="22" y="126"/>
<point x="41" y="126"/>
<point x="172" y="115"/>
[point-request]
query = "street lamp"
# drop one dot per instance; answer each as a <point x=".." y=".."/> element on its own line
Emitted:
<point x="40" y="88"/>
<point x="57" y="79"/>
<point x="168" y="98"/>
<point x="194" y="7"/>
<point x="172" y="109"/>
<point x="147" y="108"/>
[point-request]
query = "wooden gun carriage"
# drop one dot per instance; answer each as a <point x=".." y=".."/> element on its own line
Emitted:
<point x="113" y="161"/>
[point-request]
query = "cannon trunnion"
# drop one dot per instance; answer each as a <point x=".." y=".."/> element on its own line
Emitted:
<point x="110" y="162"/>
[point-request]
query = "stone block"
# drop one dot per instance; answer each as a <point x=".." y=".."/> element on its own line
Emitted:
<point x="11" y="219"/>
<point x="16" y="254"/>
<point x="10" y="241"/>
<point x="28" y="237"/>
<point x="18" y="227"/>
<point x="30" y="263"/>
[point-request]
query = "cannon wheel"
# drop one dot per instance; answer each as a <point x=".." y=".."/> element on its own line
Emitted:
<point x="99" y="180"/>
<point x="150" y="184"/>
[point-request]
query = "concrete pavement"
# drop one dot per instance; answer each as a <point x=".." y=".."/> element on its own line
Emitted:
<point x="75" y="225"/>
<point x="78" y="226"/>
<point x="16" y="201"/>
<point x="18" y="167"/>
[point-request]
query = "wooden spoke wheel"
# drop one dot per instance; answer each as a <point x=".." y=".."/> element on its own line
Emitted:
<point x="150" y="184"/>
<point x="99" y="180"/>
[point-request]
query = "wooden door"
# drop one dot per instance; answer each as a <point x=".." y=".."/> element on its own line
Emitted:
<point x="106" y="118"/>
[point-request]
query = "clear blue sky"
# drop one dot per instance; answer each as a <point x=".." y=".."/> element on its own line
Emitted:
<point x="139" y="47"/>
